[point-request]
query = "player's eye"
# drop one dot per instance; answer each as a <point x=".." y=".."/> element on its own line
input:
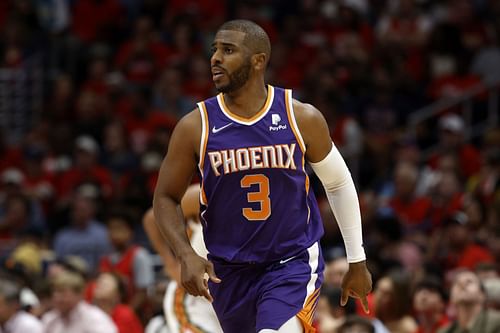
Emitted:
<point x="213" y="50"/>
<point x="228" y="50"/>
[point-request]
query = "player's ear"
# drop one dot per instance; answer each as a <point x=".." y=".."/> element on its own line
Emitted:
<point x="259" y="61"/>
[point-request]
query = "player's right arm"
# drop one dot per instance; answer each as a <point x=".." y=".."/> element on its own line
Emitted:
<point x="190" y="206"/>
<point x="175" y="175"/>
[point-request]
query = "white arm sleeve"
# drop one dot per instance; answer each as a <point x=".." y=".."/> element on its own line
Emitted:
<point x="343" y="199"/>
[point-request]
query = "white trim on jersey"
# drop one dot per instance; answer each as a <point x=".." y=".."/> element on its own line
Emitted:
<point x="313" y="252"/>
<point x="203" y="142"/>
<point x="288" y="96"/>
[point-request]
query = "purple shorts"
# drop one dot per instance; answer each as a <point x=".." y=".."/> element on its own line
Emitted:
<point x="252" y="297"/>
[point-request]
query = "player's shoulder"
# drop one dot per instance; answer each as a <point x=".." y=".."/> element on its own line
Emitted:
<point x="306" y="115"/>
<point x="187" y="132"/>
<point x="189" y="125"/>
<point x="191" y="120"/>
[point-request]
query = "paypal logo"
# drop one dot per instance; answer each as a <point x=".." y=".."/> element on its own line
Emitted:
<point x="276" y="126"/>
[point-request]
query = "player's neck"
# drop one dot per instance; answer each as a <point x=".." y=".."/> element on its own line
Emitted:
<point x="248" y="100"/>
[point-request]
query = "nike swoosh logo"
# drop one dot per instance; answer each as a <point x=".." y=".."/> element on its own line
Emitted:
<point x="286" y="260"/>
<point x="216" y="130"/>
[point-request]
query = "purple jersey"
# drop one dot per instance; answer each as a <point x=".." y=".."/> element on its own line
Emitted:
<point x="257" y="205"/>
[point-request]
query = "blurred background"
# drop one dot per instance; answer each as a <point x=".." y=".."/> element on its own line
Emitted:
<point x="90" y="91"/>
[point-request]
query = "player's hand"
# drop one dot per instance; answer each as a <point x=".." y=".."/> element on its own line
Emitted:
<point x="357" y="283"/>
<point x="193" y="270"/>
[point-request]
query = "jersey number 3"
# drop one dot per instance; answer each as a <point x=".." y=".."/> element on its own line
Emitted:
<point x="261" y="196"/>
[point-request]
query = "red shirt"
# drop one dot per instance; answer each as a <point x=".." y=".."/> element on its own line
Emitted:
<point x="442" y="322"/>
<point x="441" y="213"/>
<point x="412" y="212"/>
<point x="74" y="177"/>
<point x="470" y="257"/>
<point x="469" y="160"/>
<point x="473" y="255"/>
<point x="124" y="267"/>
<point x="93" y="18"/>
<point x="126" y="320"/>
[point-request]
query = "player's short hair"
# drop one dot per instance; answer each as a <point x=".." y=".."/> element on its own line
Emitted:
<point x="256" y="39"/>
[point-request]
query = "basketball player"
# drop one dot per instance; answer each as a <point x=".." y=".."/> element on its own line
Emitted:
<point x="184" y="313"/>
<point x="262" y="227"/>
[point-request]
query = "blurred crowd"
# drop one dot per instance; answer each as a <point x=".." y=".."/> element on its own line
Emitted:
<point x="78" y="169"/>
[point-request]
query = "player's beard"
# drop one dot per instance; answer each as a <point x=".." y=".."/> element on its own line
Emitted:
<point x="238" y="78"/>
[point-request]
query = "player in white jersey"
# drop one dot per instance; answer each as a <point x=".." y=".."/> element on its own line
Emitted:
<point x="184" y="313"/>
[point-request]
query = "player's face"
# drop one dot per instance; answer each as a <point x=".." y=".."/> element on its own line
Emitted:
<point x="230" y="62"/>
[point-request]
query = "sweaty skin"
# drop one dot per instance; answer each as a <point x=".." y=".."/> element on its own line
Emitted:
<point x="229" y="60"/>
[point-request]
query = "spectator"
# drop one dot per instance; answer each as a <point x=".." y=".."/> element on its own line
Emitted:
<point x="117" y="156"/>
<point x="429" y="304"/>
<point x="85" y="170"/>
<point x="486" y="61"/>
<point x="492" y="290"/>
<point x="356" y="324"/>
<point x="71" y="313"/>
<point x="486" y="184"/>
<point x="129" y="261"/>
<point x="486" y="271"/>
<point x="12" y="318"/>
<point x="411" y="210"/>
<point x="467" y="297"/>
<point x="108" y="295"/>
<point x="451" y="140"/>
<point x="39" y="182"/>
<point x="16" y="218"/>
<point x="447" y="198"/>
<point x="393" y="302"/>
<point x="330" y="314"/>
<point x="143" y="56"/>
<point x="462" y="251"/>
<point x="84" y="236"/>
<point x="335" y="270"/>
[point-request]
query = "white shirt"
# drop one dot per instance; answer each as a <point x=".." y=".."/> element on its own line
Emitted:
<point x="22" y="322"/>
<point x="84" y="318"/>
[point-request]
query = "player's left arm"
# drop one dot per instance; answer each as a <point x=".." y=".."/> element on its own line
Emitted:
<point x="331" y="169"/>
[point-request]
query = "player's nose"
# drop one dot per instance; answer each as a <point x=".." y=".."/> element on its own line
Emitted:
<point x="216" y="58"/>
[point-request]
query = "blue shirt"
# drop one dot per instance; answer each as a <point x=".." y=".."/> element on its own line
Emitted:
<point x="90" y="243"/>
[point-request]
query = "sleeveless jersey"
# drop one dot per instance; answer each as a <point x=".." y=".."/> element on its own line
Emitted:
<point x="124" y="267"/>
<point x="256" y="203"/>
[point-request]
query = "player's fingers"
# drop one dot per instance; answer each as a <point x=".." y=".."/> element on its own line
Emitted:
<point x="205" y="283"/>
<point x="344" y="297"/>
<point x="206" y="293"/>
<point x="211" y="273"/>
<point x="364" y="303"/>
<point x="188" y="289"/>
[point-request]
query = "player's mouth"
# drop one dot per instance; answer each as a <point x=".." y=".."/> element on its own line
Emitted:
<point x="217" y="73"/>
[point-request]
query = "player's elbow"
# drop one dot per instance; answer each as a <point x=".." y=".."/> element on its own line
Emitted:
<point x="148" y="218"/>
<point x="339" y="182"/>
